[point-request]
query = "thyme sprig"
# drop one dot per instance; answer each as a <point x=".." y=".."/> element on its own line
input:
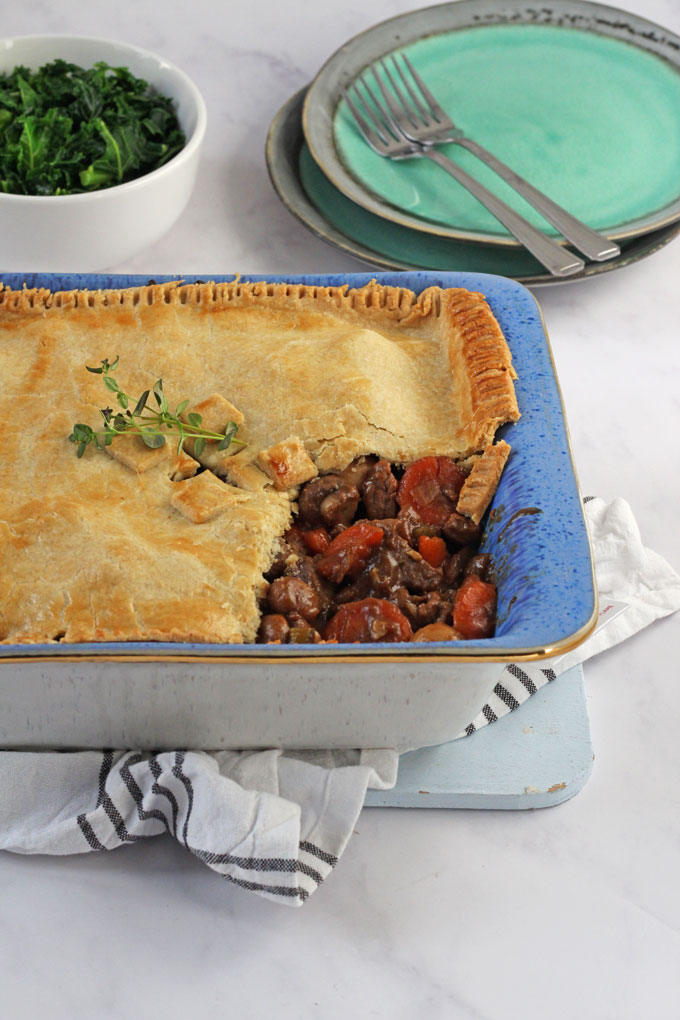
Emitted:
<point x="149" y="422"/>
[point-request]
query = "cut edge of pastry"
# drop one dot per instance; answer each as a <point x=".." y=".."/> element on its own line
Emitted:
<point x="480" y="485"/>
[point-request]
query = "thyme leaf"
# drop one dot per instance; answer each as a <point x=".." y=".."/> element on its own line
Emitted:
<point x="150" y="423"/>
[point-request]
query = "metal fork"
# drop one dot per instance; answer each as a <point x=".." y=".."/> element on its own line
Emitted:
<point x="423" y="120"/>
<point x="385" y="138"/>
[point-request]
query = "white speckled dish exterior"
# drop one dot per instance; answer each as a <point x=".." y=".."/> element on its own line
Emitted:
<point x="157" y="695"/>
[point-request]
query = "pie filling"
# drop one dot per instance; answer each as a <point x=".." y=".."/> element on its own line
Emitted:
<point x="378" y="553"/>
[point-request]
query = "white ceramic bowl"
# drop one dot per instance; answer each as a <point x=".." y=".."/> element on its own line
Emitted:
<point x="100" y="229"/>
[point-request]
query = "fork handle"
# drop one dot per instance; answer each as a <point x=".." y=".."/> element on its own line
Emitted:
<point x="557" y="260"/>
<point x="592" y="244"/>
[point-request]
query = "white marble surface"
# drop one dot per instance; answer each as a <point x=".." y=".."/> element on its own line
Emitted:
<point x="572" y="911"/>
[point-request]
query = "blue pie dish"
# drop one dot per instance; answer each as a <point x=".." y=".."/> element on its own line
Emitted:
<point x="535" y="529"/>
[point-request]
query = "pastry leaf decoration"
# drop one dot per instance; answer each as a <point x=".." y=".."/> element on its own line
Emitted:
<point x="150" y="422"/>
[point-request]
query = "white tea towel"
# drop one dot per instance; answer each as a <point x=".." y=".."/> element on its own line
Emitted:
<point x="275" y="822"/>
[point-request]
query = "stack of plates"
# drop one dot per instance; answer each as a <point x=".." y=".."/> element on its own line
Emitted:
<point x="581" y="99"/>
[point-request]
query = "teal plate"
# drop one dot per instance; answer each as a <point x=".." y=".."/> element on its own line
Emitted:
<point x="581" y="99"/>
<point x="315" y="201"/>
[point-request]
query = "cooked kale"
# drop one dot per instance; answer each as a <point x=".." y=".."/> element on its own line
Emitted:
<point x="65" y="129"/>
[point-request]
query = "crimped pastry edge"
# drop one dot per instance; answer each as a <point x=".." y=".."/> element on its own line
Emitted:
<point x="395" y="302"/>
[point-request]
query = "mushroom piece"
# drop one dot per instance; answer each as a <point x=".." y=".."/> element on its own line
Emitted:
<point x="328" y="501"/>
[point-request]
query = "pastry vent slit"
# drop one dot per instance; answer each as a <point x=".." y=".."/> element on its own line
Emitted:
<point x="176" y="477"/>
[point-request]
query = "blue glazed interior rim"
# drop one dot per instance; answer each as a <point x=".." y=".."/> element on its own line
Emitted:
<point x="536" y="531"/>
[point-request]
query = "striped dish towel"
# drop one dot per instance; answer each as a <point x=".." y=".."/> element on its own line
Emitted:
<point x="272" y="822"/>
<point x="635" y="585"/>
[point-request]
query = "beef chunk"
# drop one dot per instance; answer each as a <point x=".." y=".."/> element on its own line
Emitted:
<point x="454" y="566"/>
<point x="393" y="565"/>
<point x="378" y="491"/>
<point x="461" y="530"/>
<point x="422" y="610"/>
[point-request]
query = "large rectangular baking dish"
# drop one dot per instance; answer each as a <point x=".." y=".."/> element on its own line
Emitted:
<point x="161" y="695"/>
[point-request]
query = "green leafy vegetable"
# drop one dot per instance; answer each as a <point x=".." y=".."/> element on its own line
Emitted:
<point x="65" y="129"/>
<point x="148" y="422"/>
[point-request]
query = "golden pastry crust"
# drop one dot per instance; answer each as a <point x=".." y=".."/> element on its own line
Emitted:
<point x="110" y="548"/>
<point x="287" y="464"/>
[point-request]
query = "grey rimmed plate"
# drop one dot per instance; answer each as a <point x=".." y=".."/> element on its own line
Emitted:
<point x="582" y="99"/>
<point x="322" y="208"/>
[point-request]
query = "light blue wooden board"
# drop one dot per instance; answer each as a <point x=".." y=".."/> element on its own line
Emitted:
<point x="537" y="756"/>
